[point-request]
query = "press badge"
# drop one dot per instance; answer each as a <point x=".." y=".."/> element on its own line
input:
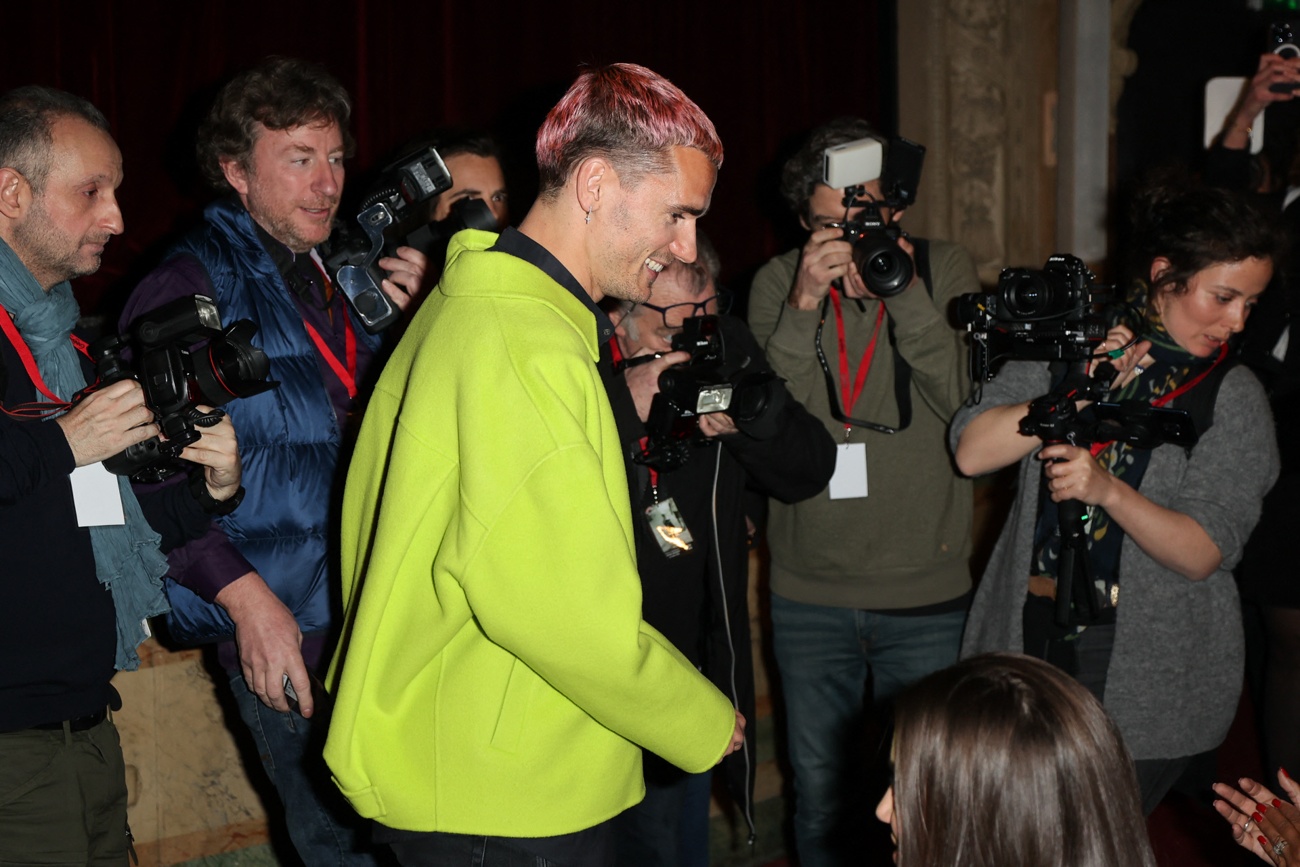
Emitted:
<point x="850" y="479"/>
<point x="97" y="497"/>
<point x="668" y="528"/>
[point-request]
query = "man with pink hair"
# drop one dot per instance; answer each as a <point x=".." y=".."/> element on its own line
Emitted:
<point x="496" y="683"/>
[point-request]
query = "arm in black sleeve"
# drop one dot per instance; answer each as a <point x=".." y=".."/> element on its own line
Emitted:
<point x="787" y="453"/>
<point x="1227" y="167"/>
<point x="174" y="513"/>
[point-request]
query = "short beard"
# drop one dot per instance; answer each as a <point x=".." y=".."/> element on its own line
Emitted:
<point x="38" y="245"/>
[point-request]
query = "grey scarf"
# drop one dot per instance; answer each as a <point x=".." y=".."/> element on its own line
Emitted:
<point x="127" y="560"/>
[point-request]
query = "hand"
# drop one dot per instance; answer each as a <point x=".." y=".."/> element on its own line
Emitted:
<point x="1256" y="814"/>
<point x="643" y="380"/>
<point x="217" y="450"/>
<point x="405" y="282"/>
<point x="1257" y="95"/>
<point x="737" y="737"/>
<point x="1127" y="365"/>
<point x="1072" y="474"/>
<point x="107" y="421"/>
<point x="825" y="257"/>
<point x="717" y="424"/>
<point x="269" y="643"/>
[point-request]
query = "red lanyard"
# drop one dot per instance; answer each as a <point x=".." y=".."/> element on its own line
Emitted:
<point x="25" y="353"/>
<point x="346" y="374"/>
<point x="864" y="366"/>
<point x="1097" y="448"/>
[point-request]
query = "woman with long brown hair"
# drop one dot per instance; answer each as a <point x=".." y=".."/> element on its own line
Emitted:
<point x="1003" y="760"/>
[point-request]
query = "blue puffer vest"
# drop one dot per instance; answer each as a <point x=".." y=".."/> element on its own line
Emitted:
<point x="288" y="437"/>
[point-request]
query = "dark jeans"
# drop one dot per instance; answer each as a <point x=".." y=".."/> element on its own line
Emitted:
<point x="63" y="798"/>
<point x="670" y="827"/>
<point x="825" y="655"/>
<point x="322" y="825"/>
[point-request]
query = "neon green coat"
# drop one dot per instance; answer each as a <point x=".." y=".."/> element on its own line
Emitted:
<point x="495" y="676"/>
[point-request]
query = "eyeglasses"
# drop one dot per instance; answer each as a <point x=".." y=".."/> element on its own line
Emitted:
<point x="675" y="315"/>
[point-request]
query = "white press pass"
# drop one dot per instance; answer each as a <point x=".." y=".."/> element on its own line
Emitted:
<point x="850" y="479"/>
<point x="97" y="496"/>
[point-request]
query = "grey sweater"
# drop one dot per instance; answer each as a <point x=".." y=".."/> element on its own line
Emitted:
<point x="907" y="543"/>
<point x="1176" y="670"/>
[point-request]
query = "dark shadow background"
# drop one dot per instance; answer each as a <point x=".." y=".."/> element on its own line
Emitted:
<point x="765" y="71"/>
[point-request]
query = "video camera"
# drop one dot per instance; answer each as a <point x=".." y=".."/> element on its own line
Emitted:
<point x="387" y="216"/>
<point x="715" y="379"/>
<point x="1053" y="314"/>
<point x="882" y="264"/>
<point x="1057" y="314"/>
<point x="181" y="356"/>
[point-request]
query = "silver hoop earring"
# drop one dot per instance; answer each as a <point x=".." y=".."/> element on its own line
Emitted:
<point x="588" y="220"/>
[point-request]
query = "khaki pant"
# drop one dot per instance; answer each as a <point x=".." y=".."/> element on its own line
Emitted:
<point x="63" y="798"/>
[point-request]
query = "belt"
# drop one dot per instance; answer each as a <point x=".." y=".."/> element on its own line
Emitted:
<point x="80" y="724"/>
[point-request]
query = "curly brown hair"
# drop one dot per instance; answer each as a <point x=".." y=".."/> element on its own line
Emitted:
<point x="278" y="93"/>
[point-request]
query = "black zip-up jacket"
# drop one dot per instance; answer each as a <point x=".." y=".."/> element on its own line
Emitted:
<point x="699" y="599"/>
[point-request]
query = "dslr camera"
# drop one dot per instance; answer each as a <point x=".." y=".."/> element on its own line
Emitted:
<point x="715" y="379"/>
<point x="181" y="356"/>
<point x="883" y="265"/>
<point x="386" y="217"/>
<point x="1052" y="314"/>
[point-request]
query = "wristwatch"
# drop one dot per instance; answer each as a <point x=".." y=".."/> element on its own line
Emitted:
<point x="209" y="503"/>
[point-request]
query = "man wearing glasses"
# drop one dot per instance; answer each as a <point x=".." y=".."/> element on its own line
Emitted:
<point x="692" y="527"/>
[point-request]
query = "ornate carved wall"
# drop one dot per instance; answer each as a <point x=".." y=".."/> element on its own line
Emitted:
<point x="977" y="83"/>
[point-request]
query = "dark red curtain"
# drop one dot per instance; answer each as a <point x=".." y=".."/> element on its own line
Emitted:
<point x="764" y="71"/>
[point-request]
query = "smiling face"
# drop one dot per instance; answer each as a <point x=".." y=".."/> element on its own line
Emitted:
<point x="292" y="182"/>
<point x="643" y="226"/>
<point x="1215" y="304"/>
<point x="474" y="177"/>
<point x="66" y="226"/>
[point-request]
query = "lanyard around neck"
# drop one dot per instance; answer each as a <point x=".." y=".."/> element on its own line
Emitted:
<point x="29" y="361"/>
<point x="853" y="392"/>
<point x="346" y="372"/>
<point x="1098" y="448"/>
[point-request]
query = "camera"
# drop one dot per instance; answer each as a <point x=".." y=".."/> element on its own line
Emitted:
<point x="1282" y="41"/>
<point x="716" y="378"/>
<point x="882" y="264"/>
<point x="1052" y="314"/>
<point x="181" y="356"/>
<point x="431" y="238"/>
<point x="710" y="382"/>
<point x="387" y="215"/>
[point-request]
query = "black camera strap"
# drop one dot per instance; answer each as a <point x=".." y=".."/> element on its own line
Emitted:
<point x="902" y="370"/>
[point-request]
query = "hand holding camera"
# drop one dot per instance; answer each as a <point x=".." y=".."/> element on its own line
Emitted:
<point x="405" y="281"/>
<point x="107" y="422"/>
<point x="826" y="257"/>
<point x="217" y="451"/>
<point x="642" y="373"/>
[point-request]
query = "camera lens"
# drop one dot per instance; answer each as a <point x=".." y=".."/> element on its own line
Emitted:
<point x="234" y="368"/>
<point x="883" y="266"/>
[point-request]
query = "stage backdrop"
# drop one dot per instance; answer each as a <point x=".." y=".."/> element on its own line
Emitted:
<point x="764" y="70"/>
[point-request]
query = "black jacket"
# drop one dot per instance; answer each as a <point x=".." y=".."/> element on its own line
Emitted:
<point x="699" y="599"/>
<point x="57" y="625"/>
